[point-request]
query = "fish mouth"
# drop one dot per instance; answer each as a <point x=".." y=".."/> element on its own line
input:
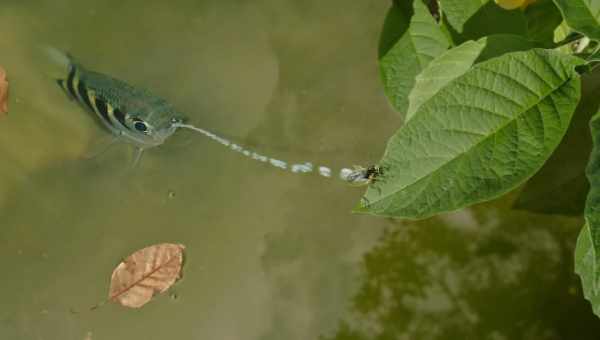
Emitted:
<point x="179" y="120"/>
<point x="166" y="133"/>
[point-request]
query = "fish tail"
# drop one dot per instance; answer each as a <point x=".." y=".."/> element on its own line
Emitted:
<point x="60" y="64"/>
<point x="60" y="58"/>
<point x="63" y="70"/>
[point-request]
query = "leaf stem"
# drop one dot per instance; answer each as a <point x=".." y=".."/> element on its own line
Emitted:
<point x="593" y="56"/>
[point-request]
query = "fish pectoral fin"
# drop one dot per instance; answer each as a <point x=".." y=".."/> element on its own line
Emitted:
<point x="100" y="146"/>
<point x="137" y="155"/>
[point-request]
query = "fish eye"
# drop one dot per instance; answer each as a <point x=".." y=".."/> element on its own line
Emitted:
<point x="141" y="126"/>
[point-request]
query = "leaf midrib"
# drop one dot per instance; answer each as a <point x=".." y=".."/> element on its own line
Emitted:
<point x="137" y="282"/>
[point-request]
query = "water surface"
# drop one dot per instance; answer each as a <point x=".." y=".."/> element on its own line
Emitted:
<point x="270" y="255"/>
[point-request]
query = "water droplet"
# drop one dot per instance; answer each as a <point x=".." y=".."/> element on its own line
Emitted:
<point x="277" y="163"/>
<point x="307" y="167"/>
<point x="324" y="171"/>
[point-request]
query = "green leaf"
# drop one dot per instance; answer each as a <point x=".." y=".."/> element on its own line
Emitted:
<point x="587" y="256"/>
<point x="582" y="15"/>
<point x="442" y="70"/>
<point x="458" y="12"/>
<point x="595" y="56"/>
<point x="560" y="34"/>
<point x="395" y="25"/>
<point x="487" y="20"/>
<point x="422" y="42"/>
<point x="480" y="136"/>
<point x="499" y="44"/>
<point x="586" y="266"/>
<point x="455" y="62"/>
<point x="561" y="189"/>
<point x="543" y="18"/>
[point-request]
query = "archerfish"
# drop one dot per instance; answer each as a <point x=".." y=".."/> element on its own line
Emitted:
<point x="131" y="114"/>
<point x="145" y="120"/>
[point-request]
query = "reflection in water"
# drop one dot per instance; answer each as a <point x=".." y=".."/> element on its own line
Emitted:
<point x="476" y="274"/>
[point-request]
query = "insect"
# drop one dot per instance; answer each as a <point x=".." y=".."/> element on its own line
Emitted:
<point x="359" y="175"/>
<point x="373" y="173"/>
<point x="130" y="114"/>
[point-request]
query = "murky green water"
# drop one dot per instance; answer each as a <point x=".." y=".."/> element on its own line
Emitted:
<point x="270" y="255"/>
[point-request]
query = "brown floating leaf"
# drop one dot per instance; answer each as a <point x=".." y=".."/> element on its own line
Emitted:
<point x="146" y="272"/>
<point x="3" y="92"/>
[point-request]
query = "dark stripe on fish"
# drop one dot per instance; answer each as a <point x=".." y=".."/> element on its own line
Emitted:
<point x="120" y="117"/>
<point x="83" y="93"/>
<point x="102" y="109"/>
<point x="70" y="83"/>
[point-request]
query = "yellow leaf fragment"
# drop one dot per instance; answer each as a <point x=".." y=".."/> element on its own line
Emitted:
<point x="514" y="4"/>
<point x="145" y="273"/>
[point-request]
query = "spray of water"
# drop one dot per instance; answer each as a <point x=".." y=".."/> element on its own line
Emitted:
<point x="354" y="176"/>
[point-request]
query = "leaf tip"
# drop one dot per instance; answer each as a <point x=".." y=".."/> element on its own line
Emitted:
<point x="361" y="208"/>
